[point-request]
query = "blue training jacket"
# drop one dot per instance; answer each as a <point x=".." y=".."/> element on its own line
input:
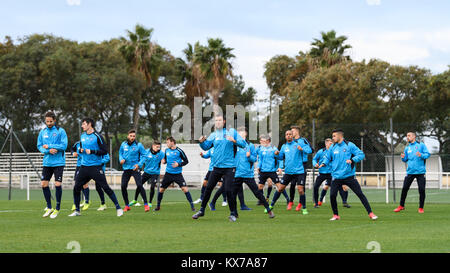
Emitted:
<point x="152" y="161"/>
<point x="305" y="153"/>
<point x="224" y="150"/>
<point x="96" y="143"/>
<point x="132" y="154"/>
<point x="172" y="156"/>
<point x="291" y="155"/>
<point x="319" y="158"/>
<point x="55" y="138"/>
<point x="245" y="166"/>
<point x="416" y="165"/>
<point x="337" y="156"/>
<point x="267" y="161"/>
<point x="210" y="154"/>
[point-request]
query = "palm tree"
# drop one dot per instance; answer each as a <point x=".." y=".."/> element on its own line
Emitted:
<point x="215" y="66"/>
<point x="195" y="86"/>
<point x="137" y="51"/>
<point x="330" y="49"/>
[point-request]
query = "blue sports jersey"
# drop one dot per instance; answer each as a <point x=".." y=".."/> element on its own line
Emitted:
<point x="291" y="155"/>
<point x="152" y="161"/>
<point x="319" y="158"/>
<point x="98" y="147"/>
<point x="175" y="155"/>
<point x="224" y="149"/>
<point x="55" y="138"/>
<point x="210" y="154"/>
<point x="132" y="154"/>
<point x="245" y="165"/>
<point x="416" y="165"/>
<point x="305" y="152"/>
<point x="267" y="161"/>
<point x="337" y="156"/>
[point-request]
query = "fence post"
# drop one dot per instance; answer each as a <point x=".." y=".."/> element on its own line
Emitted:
<point x="387" y="187"/>
<point x="28" y="187"/>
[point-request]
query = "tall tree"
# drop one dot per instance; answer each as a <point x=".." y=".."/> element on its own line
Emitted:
<point x="137" y="49"/>
<point x="195" y="85"/>
<point x="330" y="49"/>
<point x="215" y="64"/>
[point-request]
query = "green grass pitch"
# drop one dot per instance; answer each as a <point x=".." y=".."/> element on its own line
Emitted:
<point x="23" y="229"/>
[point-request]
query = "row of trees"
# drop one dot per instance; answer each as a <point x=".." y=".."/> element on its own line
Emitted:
<point x="324" y="84"/>
<point x="122" y="83"/>
<point x="132" y="81"/>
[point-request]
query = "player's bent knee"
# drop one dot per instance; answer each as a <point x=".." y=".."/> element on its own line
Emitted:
<point x="44" y="184"/>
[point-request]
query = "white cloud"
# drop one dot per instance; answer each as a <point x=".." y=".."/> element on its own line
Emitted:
<point x="394" y="47"/>
<point x="73" y="2"/>
<point x="415" y="47"/>
<point x="373" y="2"/>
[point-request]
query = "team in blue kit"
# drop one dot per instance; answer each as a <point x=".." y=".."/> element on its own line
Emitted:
<point x="234" y="161"/>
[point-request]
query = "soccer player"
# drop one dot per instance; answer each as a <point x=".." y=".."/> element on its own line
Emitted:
<point x="130" y="153"/>
<point x="175" y="158"/>
<point x="267" y="167"/>
<point x="415" y="156"/>
<point x="52" y="142"/>
<point x="152" y="161"/>
<point x="225" y="142"/>
<point x="93" y="148"/>
<point x="245" y="172"/>
<point x="85" y="205"/>
<point x="291" y="153"/>
<point x="325" y="175"/>
<point x="302" y="180"/>
<point x="341" y="157"/>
